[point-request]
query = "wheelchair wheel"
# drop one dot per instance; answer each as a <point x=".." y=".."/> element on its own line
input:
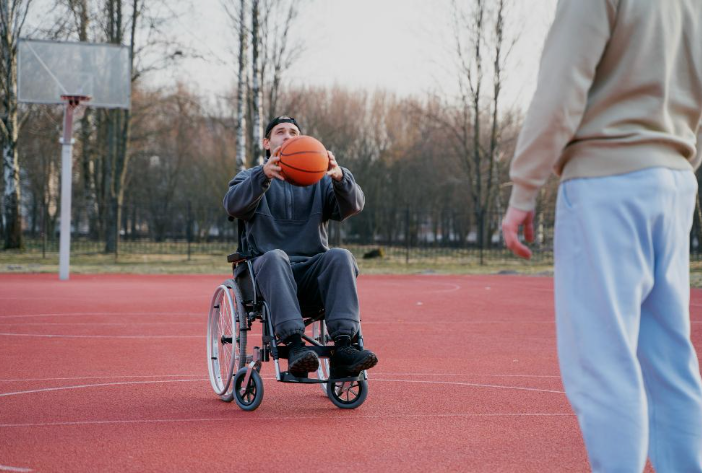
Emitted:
<point x="348" y="395"/>
<point x="226" y="342"/>
<point x="248" y="397"/>
<point x="320" y="335"/>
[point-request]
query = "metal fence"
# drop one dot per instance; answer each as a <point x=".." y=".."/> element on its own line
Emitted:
<point x="404" y="234"/>
<point x="400" y="234"/>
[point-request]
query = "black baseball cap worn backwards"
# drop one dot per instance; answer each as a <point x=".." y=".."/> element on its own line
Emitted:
<point x="279" y="120"/>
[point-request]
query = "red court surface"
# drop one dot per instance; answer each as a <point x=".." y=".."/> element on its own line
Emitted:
<point x="109" y="373"/>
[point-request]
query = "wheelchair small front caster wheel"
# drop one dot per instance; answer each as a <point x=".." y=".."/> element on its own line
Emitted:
<point x="248" y="397"/>
<point x="347" y="395"/>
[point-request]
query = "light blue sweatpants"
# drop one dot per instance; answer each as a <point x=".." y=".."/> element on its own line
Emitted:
<point x="623" y="323"/>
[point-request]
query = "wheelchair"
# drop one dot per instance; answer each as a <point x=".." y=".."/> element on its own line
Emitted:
<point x="234" y="367"/>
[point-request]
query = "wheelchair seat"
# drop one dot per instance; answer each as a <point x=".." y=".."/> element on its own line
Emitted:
<point x="311" y="311"/>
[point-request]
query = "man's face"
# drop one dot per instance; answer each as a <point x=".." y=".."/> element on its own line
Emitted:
<point x="280" y="133"/>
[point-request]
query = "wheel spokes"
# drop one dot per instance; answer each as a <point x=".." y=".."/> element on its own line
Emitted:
<point x="347" y="392"/>
<point x="248" y="393"/>
<point x="224" y="325"/>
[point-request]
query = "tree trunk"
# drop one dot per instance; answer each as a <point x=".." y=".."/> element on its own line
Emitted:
<point x="88" y="164"/>
<point x="102" y="172"/>
<point x="120" y="159"/>
<point x="90" y="210"/>
<point x="13" y="220"/>
<point x="256" y="84"/>
<point x="493" y="202"/>
<point x="478" y="203"/>
<point x="111" y="201"/>
<point x="119" y="131"/>
<point x="12" y="16"/>
<point x="280" y="57"/>
<point x="241" y="98"/>
<point x="11" y="173"/>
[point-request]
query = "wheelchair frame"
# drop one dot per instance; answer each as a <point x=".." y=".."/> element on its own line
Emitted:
<point x="235" y="370"/>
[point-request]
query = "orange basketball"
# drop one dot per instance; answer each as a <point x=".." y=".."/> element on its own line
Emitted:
<point x="304" y="160"/>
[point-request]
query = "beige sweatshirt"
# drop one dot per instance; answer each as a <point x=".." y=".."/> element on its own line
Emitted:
<point x="619" y="90"/>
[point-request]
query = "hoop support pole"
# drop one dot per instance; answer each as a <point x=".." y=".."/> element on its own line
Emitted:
<point x="66" y="189"/>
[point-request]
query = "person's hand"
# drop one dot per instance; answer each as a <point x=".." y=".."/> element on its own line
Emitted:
<point x="271" y="168"/>
<point x="334" y="170"/>
<point x="515" y="218"/>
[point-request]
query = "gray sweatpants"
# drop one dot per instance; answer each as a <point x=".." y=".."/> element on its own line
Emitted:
<point x="327" y="279"/>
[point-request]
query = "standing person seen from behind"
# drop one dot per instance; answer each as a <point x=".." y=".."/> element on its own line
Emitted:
<point x="285" y="229"/>
<point x="616" y="115"/>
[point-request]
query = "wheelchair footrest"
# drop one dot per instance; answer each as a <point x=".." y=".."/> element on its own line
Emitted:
<point x="286" y="377"/>
<point x="322" y="352"/>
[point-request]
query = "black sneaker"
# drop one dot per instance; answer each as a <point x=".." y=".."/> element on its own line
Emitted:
<point x="349" y="361"/>
<point x="301" y="360"/>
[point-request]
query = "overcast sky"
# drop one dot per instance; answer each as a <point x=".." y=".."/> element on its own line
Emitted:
<point x="404" y="46"/>
<point x="399" y="45"/>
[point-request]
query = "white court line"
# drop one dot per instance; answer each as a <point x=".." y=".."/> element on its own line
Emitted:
<point x="104" y="314"/>
<point x="146" y="337"/>
<point x="13" y="468"/>
<point x="458" y="322"/>
<point x="455" y="383"/>
<point x="452" y="287"/>
<point x="102" y="377"/>
<point x="469" y="374"/>
<point x="279" y="418"/>
<point x="23" y="324"/>
<point x="82" y="386"/>
<point x="531" y="287"/>
<point x="455" y="287"/>
<point x="83" y="298"/>
<point x="199" y="376"/>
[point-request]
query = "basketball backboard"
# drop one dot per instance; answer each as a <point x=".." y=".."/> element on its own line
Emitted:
<point x="72" y="74"/>
<point x="48" y="70"/>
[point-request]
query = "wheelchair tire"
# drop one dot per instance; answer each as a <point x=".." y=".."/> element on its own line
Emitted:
<point x="226" y="342"/>
<point x="347" y="397"/>
<point x="249" y="397"/>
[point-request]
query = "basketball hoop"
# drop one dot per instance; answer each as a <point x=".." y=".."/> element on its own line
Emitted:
<point x="75" y="100"/>
<point x="74" y="103"/>
<point x="74" y="75"/>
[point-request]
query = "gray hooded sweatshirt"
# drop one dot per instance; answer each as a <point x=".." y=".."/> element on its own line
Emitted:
<point x="279" y="215"/>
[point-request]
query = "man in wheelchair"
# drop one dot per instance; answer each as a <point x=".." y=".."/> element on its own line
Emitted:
<point x="285" y="229"/>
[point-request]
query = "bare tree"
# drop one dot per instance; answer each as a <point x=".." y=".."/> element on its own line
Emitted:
<point x="479" y="151"/>
<point x="279" y="49"/>
<point x="117" y="123"/>
<point x="140" y="24"/>
<point x="500" y="53"/>
<point x="272" y="53"/>
<point x="165" y="162"/>
<point x="40" y="169"/>
<point x="13" y="14"/>
<point x="242" y="86"/>
<point x="237" y="11"/>
<point x="256" y="82"/>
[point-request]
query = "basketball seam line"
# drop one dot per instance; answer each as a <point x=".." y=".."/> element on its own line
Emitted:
<point x="301" y="152"/>
<point x="301" y="170"/>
